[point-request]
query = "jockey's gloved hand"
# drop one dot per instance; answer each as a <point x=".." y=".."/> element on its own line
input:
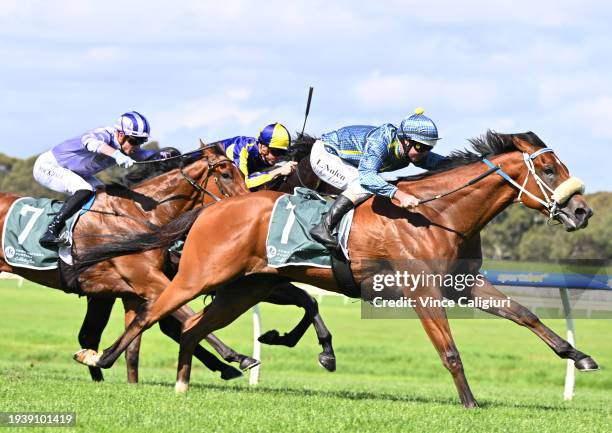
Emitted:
<point x="122" y="159"/>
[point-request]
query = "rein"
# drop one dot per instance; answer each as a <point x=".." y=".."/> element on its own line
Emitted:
<point x="471" y="182"/>
<point x="171" y="158"/>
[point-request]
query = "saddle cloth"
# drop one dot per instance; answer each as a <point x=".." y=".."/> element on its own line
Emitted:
<point x="26" y="221"/>
<point x="289" y="242"/>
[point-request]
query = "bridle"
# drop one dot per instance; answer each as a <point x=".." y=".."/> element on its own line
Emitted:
<point x="557" y="196"/>
<point x="202" y="188"/>
<point x="551" y="202"/>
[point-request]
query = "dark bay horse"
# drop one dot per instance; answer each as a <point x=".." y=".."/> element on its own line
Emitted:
<point x="441" y="229"/>
<point x="207" y="175"/>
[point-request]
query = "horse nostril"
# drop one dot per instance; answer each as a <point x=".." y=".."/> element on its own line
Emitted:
<point x="583" y="213"/>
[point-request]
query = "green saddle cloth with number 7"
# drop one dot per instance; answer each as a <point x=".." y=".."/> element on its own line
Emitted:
<point x="25" y="223"/>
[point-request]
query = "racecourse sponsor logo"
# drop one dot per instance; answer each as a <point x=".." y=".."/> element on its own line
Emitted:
<point x="271" y="251"/>
<point x="9" y="252"/>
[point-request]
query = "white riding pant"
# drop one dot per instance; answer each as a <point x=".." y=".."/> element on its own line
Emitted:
<point x="333" y="170"/>
<point x="50" y="174"/>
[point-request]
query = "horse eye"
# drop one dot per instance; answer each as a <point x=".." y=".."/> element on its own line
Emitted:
<point x="226" y="175"/>
<point x="549" y="170"/>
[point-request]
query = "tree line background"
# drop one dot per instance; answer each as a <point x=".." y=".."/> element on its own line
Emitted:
<point x="516" y="234"/>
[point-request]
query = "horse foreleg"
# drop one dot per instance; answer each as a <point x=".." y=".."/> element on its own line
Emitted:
<point x="228" y="305"/>
<point x="132" y="352"/>
<point x="229" y="354"/>
<point x="436" y="326"/>
<point x="179" y="292"/>
<point x="171" y="326"/>
<point x="226" y="352"/>
<point x="95" y="320"/>
<point x="517" y="313"/>
<point x="288" y="294"/>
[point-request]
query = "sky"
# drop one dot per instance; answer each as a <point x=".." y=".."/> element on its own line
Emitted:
<point x="213" y="70"/>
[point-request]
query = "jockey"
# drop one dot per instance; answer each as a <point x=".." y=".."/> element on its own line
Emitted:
<point x="254" y="156"/>
<point x="70" y="166"/>
<point x="352" y="157"/>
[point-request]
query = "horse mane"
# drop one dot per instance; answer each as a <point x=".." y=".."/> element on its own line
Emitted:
<point x="301" y="146"/>
<point x="487" y="145"/>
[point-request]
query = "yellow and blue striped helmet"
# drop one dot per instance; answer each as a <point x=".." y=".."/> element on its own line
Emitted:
<point x="275" y="136"/>
<point x="419" y="127"/>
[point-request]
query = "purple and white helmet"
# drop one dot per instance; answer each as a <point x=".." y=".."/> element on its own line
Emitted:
<point x="133" y="124"/>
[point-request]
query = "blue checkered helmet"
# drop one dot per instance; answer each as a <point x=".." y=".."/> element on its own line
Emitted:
<point x="133" y="124"/>
<point x="419" y="127"/>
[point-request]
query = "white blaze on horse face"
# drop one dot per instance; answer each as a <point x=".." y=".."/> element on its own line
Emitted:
<point x="567" y="188"/>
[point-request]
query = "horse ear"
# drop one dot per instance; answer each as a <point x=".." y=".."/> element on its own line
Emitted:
<point x="212" y="148"/>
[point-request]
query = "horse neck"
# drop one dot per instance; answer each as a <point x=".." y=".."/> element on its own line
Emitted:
<point x="468" y="210"/>
<point x="173" y="185"/>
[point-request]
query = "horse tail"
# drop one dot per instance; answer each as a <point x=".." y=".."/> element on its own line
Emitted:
<point x="121" y="245"/>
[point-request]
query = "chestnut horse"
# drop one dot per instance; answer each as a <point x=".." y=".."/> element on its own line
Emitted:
<point x="139" y="278"/>
<point x="99" y="309"/>
<point x="445" y="230"/>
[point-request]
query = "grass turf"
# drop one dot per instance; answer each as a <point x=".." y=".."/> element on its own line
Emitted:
<point x="389" y="377"/>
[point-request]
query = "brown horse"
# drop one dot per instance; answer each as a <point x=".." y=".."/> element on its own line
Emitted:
<point x="139" y="278"/>
<point x="444" y="230"/>
<point x="99" y="309"/>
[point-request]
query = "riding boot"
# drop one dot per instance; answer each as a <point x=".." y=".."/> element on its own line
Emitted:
<point x="52" y="238"/>
<point x="323" y="232"/>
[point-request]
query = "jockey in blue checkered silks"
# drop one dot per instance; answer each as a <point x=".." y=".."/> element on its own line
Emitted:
<point x="70" y="166"/>
<point x="352" y="157"/>
<point x="254" y="156"/>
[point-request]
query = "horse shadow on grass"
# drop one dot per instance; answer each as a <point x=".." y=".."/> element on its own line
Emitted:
<point x="366" y="395"/>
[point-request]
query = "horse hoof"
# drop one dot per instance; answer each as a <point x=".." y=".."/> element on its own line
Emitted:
<point x="181" y="387"/>
<point x="270" y="337"/>
<point x="230" y="373"/>
<point x="87" y="357"/>
<point x="586" y="364"/>
<point x="247" y="363"/>
<point x="328" y="362"/>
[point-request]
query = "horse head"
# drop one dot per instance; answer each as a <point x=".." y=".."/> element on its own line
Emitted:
<point x="548" y="186"/>
<point x="228" y="178"/>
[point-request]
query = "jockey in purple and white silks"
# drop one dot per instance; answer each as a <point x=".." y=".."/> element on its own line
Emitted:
<point x="70" y="167"/>
<point x="352" y="157"/>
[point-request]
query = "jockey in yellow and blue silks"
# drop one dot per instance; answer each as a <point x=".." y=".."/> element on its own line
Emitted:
<point x="254" y="156"/>
<point x="352" y="157"/>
